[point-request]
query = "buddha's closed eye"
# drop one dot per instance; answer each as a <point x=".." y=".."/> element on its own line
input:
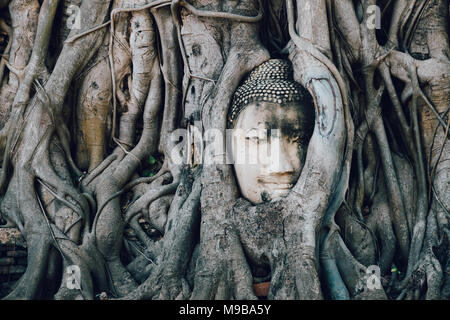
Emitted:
<point x="300" y="136"/>
<point x="256" y="135"/>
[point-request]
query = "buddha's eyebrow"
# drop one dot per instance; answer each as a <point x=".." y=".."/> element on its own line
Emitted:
<point x="259" y="126"/>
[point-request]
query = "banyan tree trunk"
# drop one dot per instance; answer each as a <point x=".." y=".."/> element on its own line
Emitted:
<point x="109" y="110"/>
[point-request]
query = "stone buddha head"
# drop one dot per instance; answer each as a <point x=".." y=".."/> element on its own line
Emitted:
<point x="272" y="120"/>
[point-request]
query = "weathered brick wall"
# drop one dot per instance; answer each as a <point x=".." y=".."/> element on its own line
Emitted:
<point x="13" y="258"/>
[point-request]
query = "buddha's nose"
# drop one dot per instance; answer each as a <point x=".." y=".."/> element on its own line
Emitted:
<point x="281" y="163"/>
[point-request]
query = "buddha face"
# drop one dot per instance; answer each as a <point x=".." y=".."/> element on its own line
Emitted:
<point x="269" y="148"/>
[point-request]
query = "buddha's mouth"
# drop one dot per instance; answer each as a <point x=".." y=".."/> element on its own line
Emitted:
<point x="281" y="182"/>
<point x="278" y="186"/>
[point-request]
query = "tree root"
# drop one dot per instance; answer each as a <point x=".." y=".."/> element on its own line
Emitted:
<point x="166" y="278"/>
<point x="148" y="198"/>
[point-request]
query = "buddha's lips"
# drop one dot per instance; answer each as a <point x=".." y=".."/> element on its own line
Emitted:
<point x="278" y="186"/>
<point x="280" y="182"/>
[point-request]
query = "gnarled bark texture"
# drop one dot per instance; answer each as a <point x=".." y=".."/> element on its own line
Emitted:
<point x="106" y="114"/>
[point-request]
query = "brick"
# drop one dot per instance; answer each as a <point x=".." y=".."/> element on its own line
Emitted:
<point x="11" y="237"/>
<point x="12" y="269"/>
<point x="6" y="261"/>
<point x="16" y="253"/>
<point x="261" y="289"/>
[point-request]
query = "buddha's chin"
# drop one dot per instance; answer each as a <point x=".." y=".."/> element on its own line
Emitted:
<point x="267" y="194"/>
<point x="275" y="194"/>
